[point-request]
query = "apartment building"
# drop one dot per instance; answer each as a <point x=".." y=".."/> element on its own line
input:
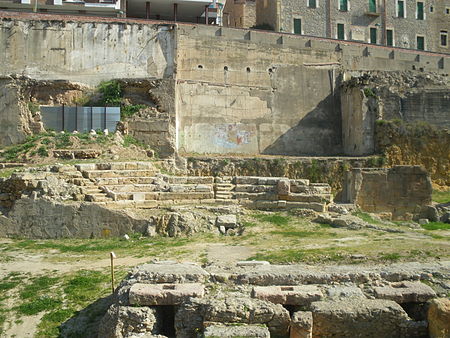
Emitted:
<point x="415" y="24"/>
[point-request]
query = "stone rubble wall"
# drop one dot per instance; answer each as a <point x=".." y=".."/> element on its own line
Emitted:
<point x="285" y="300"/>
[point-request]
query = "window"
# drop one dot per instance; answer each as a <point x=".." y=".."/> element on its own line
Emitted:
<point x="372" y="6"/>
<point x="340" y="31"/>
<point x="390" y="37"/>
<point x="421" y="43"/>
<point x="400" y="8"/>
<point x="312" y="3"/>
<point x="419" y="13"/>
<point x="444" y="38"/>
<point x="297" y="26"/>
<point x="343" y="5"/>
<point x="431" y="9"/>
<point x="447" y="11"/>
<point x="373" y="35"/>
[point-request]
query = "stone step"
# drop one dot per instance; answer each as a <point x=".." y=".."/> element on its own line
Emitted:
<point x="105" y="181"/>
<point x="94" y="174"/>
<point x="98" y="197"/>
<point x="115" y="166"/>
<point x="255" y="188"/>
<point x="91" y="190"/>
<point x="160" y="196"/>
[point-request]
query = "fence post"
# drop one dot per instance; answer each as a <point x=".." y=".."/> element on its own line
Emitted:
<point x="104" y="123"/>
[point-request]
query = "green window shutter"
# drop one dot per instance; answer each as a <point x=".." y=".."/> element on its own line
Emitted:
<point x="340" y="31"/>
<point x="420" y="43"/>
<point x="298" y="26"/>
<point x="389" y="37"/>
<point x="401" y="9"/>
<point x="312" y="3"/>
<point x="372" y="6"/>
<point x="343" y="5"/>
<point x="373" y="35"/>
<point x="420" y="11"/>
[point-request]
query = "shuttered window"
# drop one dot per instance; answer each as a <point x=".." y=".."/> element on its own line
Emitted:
<point x="420" y="43"/>
<point x="390" y="37"/>
<point x="297" y="26"/>
<point x="420" y="15"/>
<point x="340" y="31"/>
<point x="401" y="9"/>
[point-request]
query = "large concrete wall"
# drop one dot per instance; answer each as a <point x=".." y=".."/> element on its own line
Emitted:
<point x="87" y="52"/>
<point x="245" y="97"/>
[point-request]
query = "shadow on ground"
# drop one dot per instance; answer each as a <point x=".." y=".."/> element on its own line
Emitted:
<point x="86" y="322"/>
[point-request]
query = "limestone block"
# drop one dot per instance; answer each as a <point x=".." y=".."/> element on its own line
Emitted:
<point x="246" y="180"/>
<point x="86" y="166"/>
<point x="227" y="221"/>
<point x="439" y="318"/>
<point x="288" y="295"/>
<point x="164" y="294"/>
<point x="252" y="263"/>
<point x="301" y="325"/>
<point x="319" y="207"/>
<point x="358" y="317"/>
<point x="283" y="187"/>
<point x="216" y="331"/>
<point x="203" y="188"/>
<point x="405" y="292"/>
<point x="139" y="196"/>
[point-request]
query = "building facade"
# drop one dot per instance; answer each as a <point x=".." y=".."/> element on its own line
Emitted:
<point x="414" y="24"/>
<point x="240" y="13"/>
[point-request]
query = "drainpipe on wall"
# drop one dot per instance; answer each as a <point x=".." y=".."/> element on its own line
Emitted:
<point x="384" y="23"/>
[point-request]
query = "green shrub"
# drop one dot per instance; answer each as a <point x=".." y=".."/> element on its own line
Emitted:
<point x="42" y="151"/>
<point x="130" y="110"/>
<point x="111" y="92"/>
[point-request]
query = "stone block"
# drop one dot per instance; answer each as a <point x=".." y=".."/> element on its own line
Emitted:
<point x="246" y="180"/>
<point x="288" y="295"/>
<point x="439" y="318"/>
<point x="358" y="317"/>
<point x="203" y="188"/>
<point x="218" y="331"/>
<point x="86" y="166"/>
<point x="301" y="325"/>
<point x="319" y="207"/>
<point x="139" y="196"/>
<point x="405" y="292"/>
<point x="227" y="221"/>
<point x="284" y="187"/>
<point x="164" y="294"/>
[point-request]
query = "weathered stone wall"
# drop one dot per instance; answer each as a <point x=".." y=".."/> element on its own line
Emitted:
<point x="88" y="52"/>
<point x="402" y="191"/>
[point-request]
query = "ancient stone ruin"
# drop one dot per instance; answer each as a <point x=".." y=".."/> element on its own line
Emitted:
<point x="256" y="299"/>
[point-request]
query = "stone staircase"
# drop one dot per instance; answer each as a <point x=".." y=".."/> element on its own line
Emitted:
<point x="224" y="188"/>
<point x="139" y="185"/>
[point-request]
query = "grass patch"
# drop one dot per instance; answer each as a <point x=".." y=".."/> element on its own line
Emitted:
<point x="275" y="219"/>
<point x="85" y="286"/>
<point x="441" y="196"/>
<point x="37" y="285"/>
<point x="8" y="285"/>
<point x="294" y="256"/>
<point x="391" y="257"/>
<point x="436" y="226"/>
<point x="366" y="218"/>
<point x="37" y="305"/>
<point x="303" y="234"/>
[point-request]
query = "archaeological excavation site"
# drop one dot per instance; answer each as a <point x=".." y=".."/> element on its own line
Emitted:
<point x="174" y="179"/>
